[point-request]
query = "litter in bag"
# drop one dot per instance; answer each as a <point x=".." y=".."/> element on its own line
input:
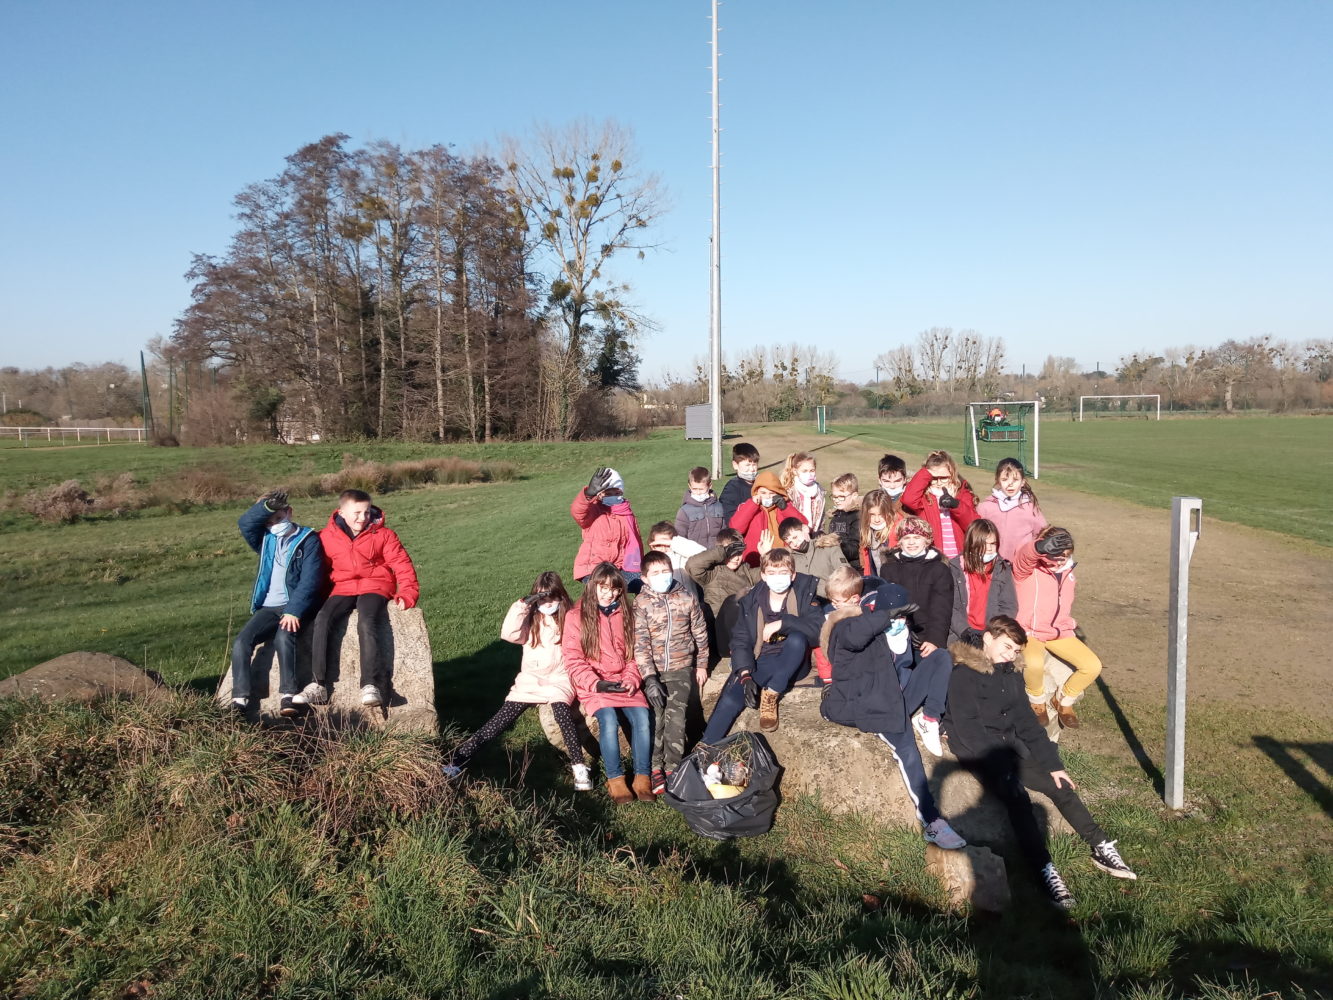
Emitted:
<point x="750" y="811"/>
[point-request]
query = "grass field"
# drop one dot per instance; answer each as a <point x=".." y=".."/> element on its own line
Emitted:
<point x="164" y="845"/>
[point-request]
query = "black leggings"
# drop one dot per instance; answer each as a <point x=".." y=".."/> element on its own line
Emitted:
<point x="506" y="717"/>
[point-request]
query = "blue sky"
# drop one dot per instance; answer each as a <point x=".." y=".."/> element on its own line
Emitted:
<point x="1081" y="179"/>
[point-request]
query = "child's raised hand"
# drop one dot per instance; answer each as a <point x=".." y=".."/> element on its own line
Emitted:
<point x="765" y="542"/>
<point x="598" y="481"/>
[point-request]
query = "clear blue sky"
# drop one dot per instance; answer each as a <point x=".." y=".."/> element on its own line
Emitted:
<point x="1081" y="179"/>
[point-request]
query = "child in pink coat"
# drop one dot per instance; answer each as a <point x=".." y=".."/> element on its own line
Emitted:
<point x="1012" y="508"/>
<point x="598" y="645"/>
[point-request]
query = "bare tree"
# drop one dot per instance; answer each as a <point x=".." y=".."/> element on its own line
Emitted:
<point x="585" y="203"/>
<point x="932" y="348"/>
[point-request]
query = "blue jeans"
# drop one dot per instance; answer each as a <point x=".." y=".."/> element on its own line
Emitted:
<point x="262" y="628"/>
<point x="925" y="684"/>
<point x="640" y="740"/>
<point x="777" y="666"/>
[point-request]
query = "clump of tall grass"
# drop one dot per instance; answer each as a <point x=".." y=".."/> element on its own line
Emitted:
<point x="64" y="503"/>
<point x="384" y="477"/>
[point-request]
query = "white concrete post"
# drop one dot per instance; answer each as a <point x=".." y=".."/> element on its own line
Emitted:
<point x="1186" y="523"/>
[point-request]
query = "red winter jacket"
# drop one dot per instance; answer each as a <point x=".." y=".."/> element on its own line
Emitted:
<point x="616" y="662"/>
<point x="606" y="536"/>
<point x="752" y="518"/>
<point x="374" y="562"/>
<point x="1045" y="598"/>
<point x="918" y="500"/>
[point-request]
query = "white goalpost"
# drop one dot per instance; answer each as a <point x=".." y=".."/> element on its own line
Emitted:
<point x="1153" y="410"/>
<point x="1003" y="429"/>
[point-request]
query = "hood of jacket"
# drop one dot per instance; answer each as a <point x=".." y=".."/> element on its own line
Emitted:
<point x="842" y="614"/>
<point x="927" y="556"/>
<point x="967" y="655"/>
<point x="768" y="479"/>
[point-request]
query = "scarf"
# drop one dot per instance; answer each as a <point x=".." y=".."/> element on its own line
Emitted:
<point x="1007" y="503"/>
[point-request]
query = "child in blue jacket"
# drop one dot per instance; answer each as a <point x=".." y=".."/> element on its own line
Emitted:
<point x="289" y="589"/>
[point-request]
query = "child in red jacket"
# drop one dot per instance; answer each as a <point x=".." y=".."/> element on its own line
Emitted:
<point x="939" y="494"/>
<point x="370" y="568"/>
<point x="610" y="529"/>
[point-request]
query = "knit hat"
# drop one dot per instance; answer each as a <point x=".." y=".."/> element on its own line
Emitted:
<point x="614" y="480"/>
<point x="916" y="526"/>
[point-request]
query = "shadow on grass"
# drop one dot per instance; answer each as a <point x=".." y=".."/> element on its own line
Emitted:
<point x="1285" y="756"/>
<point x="1132" y="740"/>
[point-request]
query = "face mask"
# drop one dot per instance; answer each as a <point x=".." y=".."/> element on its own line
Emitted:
<point x="911" y="555"/>
<point x="748" y="477"/>
<point x="897" y="627"/>
<point x="877" y="525"/>
<point x="661" y="582"/>
<point x="802" y="547"/>
<point x="612" y="501"/>
<point x="897" y="636"/>
<point x="699" y="495"/>
<point x="281" y="528"/>
<point x="896" y="492"/>
<point x="806" y="478"/>
<point x="778" y="584"/>
<point x="768" y="501"/>
<point x="549" y="609"/>
<point x="988" y="557"/>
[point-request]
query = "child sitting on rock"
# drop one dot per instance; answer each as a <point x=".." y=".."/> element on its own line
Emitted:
<point x="993" y="734"/>
<point x="536" y="623"/>
<point x="288" y="588"/>
<point x="370" y="568"/>
<point x="671" y="650"/>
<point x="876" y="683"/>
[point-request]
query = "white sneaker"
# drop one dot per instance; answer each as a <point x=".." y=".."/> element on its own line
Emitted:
<point x="313" y="693"/>
<point x="371" y="697"/>
<point x="582" y="778"/>
<point x="930" y="733"/>
<point x="943" y="836"/>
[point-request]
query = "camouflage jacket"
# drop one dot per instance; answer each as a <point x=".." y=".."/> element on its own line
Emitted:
<point x="670" y="632"/>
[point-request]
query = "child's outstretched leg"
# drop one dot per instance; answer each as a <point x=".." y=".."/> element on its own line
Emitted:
<point x="936" y="828"/>
<point x="1087" y="668"/>
<point x="493" y="727"/>
<point x="564" y="718"/>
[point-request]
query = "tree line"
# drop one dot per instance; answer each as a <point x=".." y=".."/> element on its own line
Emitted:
<point x="384" y="292"/>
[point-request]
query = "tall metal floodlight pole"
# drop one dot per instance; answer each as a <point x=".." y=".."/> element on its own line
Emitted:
<point x="1186" y="522"/>
<point x="715" y="274"/>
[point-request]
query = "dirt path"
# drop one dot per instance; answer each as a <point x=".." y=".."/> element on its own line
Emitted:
<point x="1259" y="601"/>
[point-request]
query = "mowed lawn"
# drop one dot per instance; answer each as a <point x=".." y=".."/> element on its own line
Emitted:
<point x="514" y="886"/>
<point x="1268" y="472"/>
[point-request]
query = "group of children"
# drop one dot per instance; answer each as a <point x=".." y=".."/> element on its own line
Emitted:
<point x="911" y="602"/>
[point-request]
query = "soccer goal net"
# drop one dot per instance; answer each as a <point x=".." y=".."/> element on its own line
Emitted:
<point x="1003" y="430"/>
<point x="1145" y="405"/>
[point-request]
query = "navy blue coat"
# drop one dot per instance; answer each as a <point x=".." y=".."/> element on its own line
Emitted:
<point x="808" y="620"/>
<point x="307" y="574"/>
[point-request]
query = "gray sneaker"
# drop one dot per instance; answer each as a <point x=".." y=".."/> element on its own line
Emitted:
<point x="313" y="693"/>
<point x="371" y="697"/>
<point x="943" y="836"/>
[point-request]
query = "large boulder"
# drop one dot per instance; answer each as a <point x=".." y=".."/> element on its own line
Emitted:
<point x="411" y="701"/>
<point x="84" y="677"/>
<point x="973" y="877"/>
<point x="853" y="772"/>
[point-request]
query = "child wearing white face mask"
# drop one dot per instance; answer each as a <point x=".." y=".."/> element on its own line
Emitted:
<point x="1012" y="507"/>
<point x="805" y="493"/>
<point x="671" y="649"/>
<point x="701" y="516"/>
<point x="288" y="589"/>
<point x="983" y="584"/>
<point x="537" y="624"/>
<point x="777" y="624"/>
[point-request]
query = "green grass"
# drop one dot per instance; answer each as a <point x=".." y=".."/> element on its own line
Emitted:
<point x="168" y="845"/>
<point x="1264" y="471"/>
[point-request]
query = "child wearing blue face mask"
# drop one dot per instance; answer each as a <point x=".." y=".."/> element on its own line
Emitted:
<point x="877" y="681"/>
<point x="671" y="649"/>
<point x="983" y="584"/>
<point x="610" y="529"/>
<point x="289" y="588"/>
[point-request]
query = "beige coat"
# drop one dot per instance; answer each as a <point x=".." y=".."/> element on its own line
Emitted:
<point x="542" y="678"/>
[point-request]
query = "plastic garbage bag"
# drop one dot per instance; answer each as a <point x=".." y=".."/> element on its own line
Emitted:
<point x="746" y="814"/>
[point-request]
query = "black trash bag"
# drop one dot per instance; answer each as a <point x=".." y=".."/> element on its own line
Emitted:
<point x="748" y="814"/>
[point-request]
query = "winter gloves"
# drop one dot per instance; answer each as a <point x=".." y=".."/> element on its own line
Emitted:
<point x="611" y="687"/>
<point x="1054" y="544"/>
<point x="599" y="481"/>
<point x="750" y="687"/>
<point x="274" y="501"/>
<point x="655" y="691"/>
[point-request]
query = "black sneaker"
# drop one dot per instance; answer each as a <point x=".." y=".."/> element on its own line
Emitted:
<point x="1056" y="889"/>
<point x="288" y="707"/>
<point x="1108" y="859"/>
<point x="240" y="705"/>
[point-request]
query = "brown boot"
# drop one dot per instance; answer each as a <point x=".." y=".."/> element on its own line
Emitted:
<point x="768" y="710"/>
<point x="643" y="788"/>
<point x="1068" y="717"/>
<point x="1039" y="710"/>
<point x="619" y="791"/>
